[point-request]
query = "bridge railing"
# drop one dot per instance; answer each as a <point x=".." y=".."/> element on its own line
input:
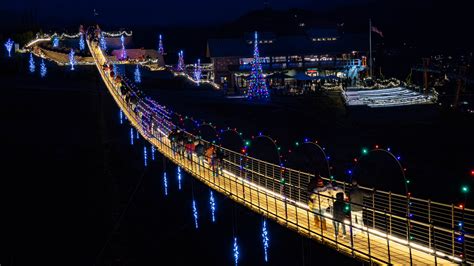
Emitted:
<point x="432" y="228"/>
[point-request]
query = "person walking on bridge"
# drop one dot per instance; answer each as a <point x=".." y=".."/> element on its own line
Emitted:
<point x="316" y="204"/>
<point x="356" y="196"/>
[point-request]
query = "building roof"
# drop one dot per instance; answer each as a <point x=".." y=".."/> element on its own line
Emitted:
<point x="287" y="45"/>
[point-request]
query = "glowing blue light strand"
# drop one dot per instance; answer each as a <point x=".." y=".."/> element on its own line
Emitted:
<point x="145" y="157"/>
<point x="82" y="45"/>
<point x="180" y="66"/>
<point x="103" y="42"/>
<point x="121" y="116"/>
<point x="56" y="42"/>
<point x="212" y="202"/>
<point x="257" y="88"/>
<point x="161" y="50"/>
<point x="236" y="251"/>
<point x="152" y="153"/>
<point x="138" y="78"/>
<point x="195" y="214"/>
<point x="32" y="64"/>
<point x="72" y="60"/>
<point x="137" y="135"/>
<point x="165" y="183"/>
<point x="43" y="69"/>
<point x="131" y="136"/>
<point x="198" y="71"/>
<point x="265" y="240"/>
<point x="124" y="51"/>
<point x="179" y="177"/>
<point x="8" y="45"/>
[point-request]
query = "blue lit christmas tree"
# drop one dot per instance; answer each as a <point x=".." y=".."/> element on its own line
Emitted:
<point x="43" y="69"/>
<point x="82" y="45"/>
<point x="161" y="50"/>
<point x="9" y="45"/>
<point x="257" y="87"/>
<point x="72" y="60"/>
<point x="180" y="66"/>
<point x="32" y="64"/>
<point x="138" y="78"/>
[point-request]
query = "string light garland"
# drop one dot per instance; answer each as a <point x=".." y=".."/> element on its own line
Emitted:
<point x="131" y="136"/>
<point x="43" y="69"/>
<point x="103" y="42"/>
<point x="8" y="45"/>
<point x="32" y="65"/>
<point x="152" y="153"/>
<point x="121" y="116"/>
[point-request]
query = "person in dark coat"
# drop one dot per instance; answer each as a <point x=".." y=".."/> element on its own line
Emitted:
<point x="356" y="197"/>
<point x="200" y="150"/>
<point x="338" y="214"/>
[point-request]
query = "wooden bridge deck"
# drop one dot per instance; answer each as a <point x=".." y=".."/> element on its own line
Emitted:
<point x="369" y="245"/>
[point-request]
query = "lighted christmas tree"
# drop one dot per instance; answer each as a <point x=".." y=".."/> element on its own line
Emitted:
<point x="197" y="71"/>
<point x="161" y="50"/>
<point x="43" y="69"/>
<point x="138" y="78"/>
<point x="72" y="60"/>
<point x="9" y="45"/>
<point x="82" y="45"/>
<point x="32" y="64"/>
<point x="55" y="41"/>
<point x="180" y="66"/>
<point x="257" y="88"/>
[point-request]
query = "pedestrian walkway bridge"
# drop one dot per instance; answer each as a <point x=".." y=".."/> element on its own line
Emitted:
<point x="398" y="229"/>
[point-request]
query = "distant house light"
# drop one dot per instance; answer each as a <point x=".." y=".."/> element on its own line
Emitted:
<point x="270" y="41"/>
<point x="319" y="39"/>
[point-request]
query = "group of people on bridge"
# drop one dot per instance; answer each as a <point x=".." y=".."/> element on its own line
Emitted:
<point x="326" y="200"/>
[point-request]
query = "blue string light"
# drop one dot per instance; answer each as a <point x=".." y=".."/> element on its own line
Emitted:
<point x="195" y="214"/>
<point x="165" y="183"/>
<point x="121" y="116"/>
<point x="32" y="64"/>
<point x="145" y="156"/>
<point x="179" y="177"/>
<point x="137" y="135"/>
<point x="72" y="60"/>
<point x="82" y="45"/>
<point x="265" y="240"/>
<point x="55" y="42"/>
<point x="131" y="136"/>
<point x="212" y="202"/>
<point x="236" y="251"/>
<point x="152" y="153"/>
<point x="161" y="50"/>
<point x="103" y="42"/>
<point x="43" y="69"/>
<point x="138" y="78"/>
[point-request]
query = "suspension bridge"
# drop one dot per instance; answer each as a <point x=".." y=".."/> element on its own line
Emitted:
<point x="399" y="229"/>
